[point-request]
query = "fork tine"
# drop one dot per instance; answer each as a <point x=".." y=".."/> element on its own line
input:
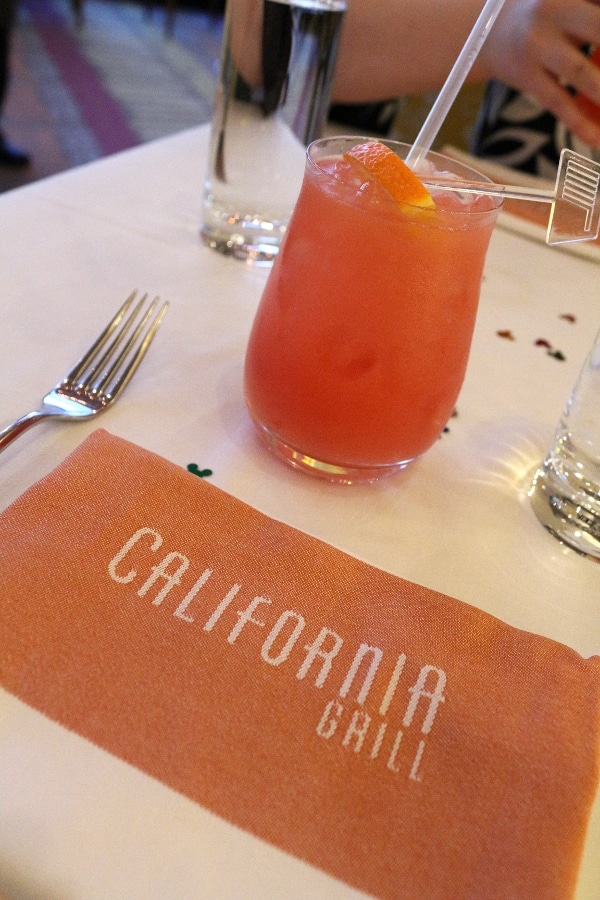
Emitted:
<point x="97" y="368"/>
<point x="113" y="357"/>
<point x="80" y="367"/>
<point x="114" y="381"/>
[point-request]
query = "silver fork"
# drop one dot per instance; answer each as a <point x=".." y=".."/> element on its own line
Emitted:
<point x="103" y="373"/>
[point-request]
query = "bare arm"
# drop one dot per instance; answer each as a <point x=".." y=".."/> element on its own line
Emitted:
<point x="394" y="48"/>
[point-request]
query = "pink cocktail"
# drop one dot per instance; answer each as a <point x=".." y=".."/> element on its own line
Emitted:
<point x="361" y="340"/>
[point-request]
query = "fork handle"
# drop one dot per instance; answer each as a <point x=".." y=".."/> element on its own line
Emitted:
<point x="11" y="432"/>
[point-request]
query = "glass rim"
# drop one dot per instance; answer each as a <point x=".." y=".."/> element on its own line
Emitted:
<point x="455" y="166"/>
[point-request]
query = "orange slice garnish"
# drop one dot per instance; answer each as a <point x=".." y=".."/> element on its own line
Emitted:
<point x="380" y="163"/>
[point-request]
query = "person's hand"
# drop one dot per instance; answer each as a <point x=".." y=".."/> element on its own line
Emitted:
<point x="535" y="46"/>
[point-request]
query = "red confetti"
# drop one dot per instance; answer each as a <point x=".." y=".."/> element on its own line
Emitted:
<point x="542" y="343"/>
<point x="568" y="317"/>
<point x="507" y="334"/>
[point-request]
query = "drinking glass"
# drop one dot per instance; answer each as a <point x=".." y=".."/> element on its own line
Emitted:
<point x="565" y="494"/>
<point x="272" y="98"/>
<point x="361" y="339"/>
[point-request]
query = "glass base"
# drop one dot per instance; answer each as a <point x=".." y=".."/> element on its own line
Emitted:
<point x="572" y="516"/>
<point x="252" y="249"/>
<point x="329" y="471"/>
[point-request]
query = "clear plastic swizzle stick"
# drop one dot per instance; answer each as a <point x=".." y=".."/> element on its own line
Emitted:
<point x="575" y="212"/>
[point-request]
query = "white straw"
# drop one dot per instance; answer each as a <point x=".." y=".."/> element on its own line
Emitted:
<point x="454" y="82"/>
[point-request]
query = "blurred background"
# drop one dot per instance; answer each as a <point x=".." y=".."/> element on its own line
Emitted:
<point x="93" y="77"/>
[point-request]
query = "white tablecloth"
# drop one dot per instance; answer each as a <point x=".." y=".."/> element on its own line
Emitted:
<point x="76" y="822"/>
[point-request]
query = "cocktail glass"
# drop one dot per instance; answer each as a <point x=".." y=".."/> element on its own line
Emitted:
<point x="361" y="339"/>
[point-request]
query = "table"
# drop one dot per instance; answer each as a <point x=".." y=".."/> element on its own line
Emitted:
<point x="75" y="821"/>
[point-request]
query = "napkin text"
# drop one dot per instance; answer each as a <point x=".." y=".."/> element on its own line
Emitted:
<point x="323" y="657"/>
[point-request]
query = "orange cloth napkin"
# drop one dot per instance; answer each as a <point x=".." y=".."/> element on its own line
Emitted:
<point x="395" y="737"/>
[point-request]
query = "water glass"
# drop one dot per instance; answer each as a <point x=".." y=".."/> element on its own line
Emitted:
<point x="272" y="98"/>
<point x="565" y="494"/>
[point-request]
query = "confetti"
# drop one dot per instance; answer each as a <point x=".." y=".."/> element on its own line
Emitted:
<point x="447" y="428"/>
<point x="202" y="473"/>
<point x="568" y="317"/>
<point x="507" y="334"/>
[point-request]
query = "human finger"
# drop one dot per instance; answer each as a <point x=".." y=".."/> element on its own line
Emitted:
<point x="579" y="19"/>
<point x="558" y="100"/>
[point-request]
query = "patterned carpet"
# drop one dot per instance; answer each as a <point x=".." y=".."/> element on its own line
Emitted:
<point x="79" y="93"/>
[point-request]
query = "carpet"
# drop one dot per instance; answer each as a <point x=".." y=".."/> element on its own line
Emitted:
<point x="78" y="93"/>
